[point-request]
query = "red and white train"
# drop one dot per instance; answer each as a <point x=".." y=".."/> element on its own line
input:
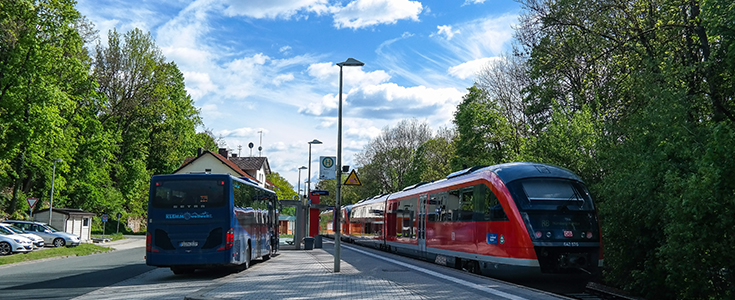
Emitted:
<point x="508" y="220"/>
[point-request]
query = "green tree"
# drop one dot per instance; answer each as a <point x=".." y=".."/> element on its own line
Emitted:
<point x="43" y="81"/>
<point x="393" y="151"/>
<point x="432" y="160"/>
<point x="284" y="191"/>
<point x="651" y="78"/>
<point x="484" y="135"/>
<point x="147" y="112"/>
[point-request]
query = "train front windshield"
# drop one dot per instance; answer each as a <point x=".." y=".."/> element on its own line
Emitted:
<point x="556" y="209"/>
<point x="551" y="194"/>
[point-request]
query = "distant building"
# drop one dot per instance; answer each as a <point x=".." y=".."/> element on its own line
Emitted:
<point x="254" y="168"/>
<point x="286" y="224"/>
<point x="70" y="220"/>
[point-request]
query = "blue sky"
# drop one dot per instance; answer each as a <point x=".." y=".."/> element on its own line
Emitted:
<point x="268" y="66"/>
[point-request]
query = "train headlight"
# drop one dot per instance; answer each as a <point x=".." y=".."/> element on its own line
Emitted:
<point x="589" y="234"/>
<point x="539" y="234"/>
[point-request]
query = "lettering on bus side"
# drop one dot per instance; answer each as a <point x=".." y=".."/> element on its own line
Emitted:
<point x="188" y="216"/>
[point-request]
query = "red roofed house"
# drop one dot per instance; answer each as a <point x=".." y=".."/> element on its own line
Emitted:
<point x="254" y="168"/>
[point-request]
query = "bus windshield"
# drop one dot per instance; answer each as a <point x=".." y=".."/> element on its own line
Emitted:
<point x="188" y="193"/>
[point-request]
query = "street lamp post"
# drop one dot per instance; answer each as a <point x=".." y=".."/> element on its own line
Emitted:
<point x="308" y="188"/>
<point x="298" y="231"/>
<point x="51" y="201"/>
<point x="350" y="62"/>
<point x="299" y="182"/>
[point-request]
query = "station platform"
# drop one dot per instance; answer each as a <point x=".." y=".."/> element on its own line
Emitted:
<point x="364" y="274"/>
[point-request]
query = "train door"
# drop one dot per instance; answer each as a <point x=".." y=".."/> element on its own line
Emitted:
<point x="422" y="224"/>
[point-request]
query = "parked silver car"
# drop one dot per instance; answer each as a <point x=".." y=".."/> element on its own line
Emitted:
<point x="50" y="235"/>
<point x="13" y="243"/>
<point x="37" y="241"/>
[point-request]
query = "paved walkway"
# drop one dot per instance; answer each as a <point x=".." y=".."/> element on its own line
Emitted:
<point x="300" y="274"/>
<point x="308" y="274"/>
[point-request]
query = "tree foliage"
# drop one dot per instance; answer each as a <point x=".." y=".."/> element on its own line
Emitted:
<point x="284" y="191"/>
<point x="112" y="128"/>
<point x="146" y="110"/>
<point x="636" y="97"/>
<point x="391" y="154"/>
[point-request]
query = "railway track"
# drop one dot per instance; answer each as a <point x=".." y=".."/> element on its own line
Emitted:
<point x="595" y="291"/>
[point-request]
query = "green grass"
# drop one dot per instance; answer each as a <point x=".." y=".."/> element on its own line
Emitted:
<point x="112" y="237"/>
<point x="83" y="249"/>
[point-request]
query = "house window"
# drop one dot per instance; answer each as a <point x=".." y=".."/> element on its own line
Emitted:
<point x="86" y="222"/>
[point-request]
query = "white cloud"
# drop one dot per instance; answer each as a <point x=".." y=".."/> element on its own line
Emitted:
<point x="393" y="96"/>
<point x="272" y="9"/>
<point x="240" y="132"/>
<point x="285" y="49"/>
<point x="283" y="78"/>
<point x="487" y="37"/>
<point x="329" y="72"/>
<point x="198" y="84"/>
<point x="210" y="110"/>
<point x="365" y="13"/>
<point x="470" y="68"/>
<point x="468" y="2"/>
<point x="447" y="31"/>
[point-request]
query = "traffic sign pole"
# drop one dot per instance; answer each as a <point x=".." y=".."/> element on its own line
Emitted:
<point x="31" y="203"/>
<point x="104" y="222"/>
<point x="119" y="215"/>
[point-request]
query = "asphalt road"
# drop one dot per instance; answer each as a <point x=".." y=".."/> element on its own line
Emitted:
<point x="119" y="274"/>
<point x="66" y="278"/>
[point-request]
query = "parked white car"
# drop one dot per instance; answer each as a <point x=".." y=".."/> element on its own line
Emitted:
<point x="35" y="239"/>
<point x="50" y="235"/>
<point x="13" y="243"/>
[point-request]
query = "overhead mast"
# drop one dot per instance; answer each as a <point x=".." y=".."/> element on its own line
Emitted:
<point x="260" y="147"/>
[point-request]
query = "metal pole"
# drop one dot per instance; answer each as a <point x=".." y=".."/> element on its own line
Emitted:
<point x="51" y="201"/>
<point x="308" y="184"/>
<point x="337" y="209"/>
<point x="306" y="199"/>
<point x="299" y="183"/>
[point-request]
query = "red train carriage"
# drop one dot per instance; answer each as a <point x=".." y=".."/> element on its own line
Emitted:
<point x="506" y="220"/>
<point x="326" y="223"/>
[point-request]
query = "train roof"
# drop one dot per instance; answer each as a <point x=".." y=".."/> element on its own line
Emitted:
<point x="519" y="170"/>
<point x="507" y="172"/>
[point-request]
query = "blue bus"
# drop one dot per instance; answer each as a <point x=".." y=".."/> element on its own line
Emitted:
<point x="200" y="221"/>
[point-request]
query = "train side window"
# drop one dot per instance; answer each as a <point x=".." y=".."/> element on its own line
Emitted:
<point x="487" y="205"/>
<point x="467" y="206"/>
<point x="450" y="206"/>
<point x="434" y="208"/>
<point x="495" y="211"/>
<point x="406" y="214"/>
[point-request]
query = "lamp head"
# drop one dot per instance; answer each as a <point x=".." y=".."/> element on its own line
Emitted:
<point x="351" y="62"/>
<point x="315" y="142"/>
<point x="302" y="168"/>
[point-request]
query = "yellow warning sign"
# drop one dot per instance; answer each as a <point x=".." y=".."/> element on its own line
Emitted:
<point x="352" y="179"/>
